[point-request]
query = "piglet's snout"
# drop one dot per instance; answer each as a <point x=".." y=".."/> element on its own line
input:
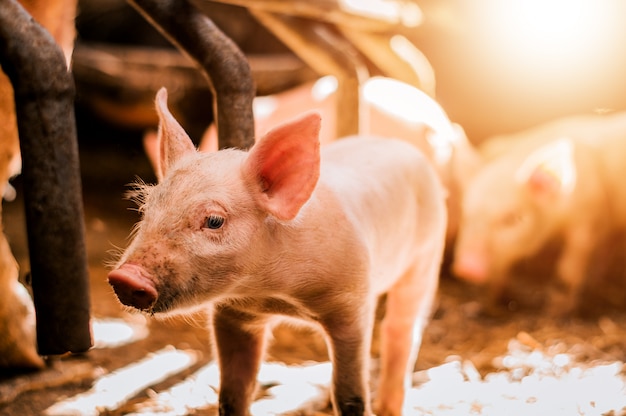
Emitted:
<point x="132" y="287"/>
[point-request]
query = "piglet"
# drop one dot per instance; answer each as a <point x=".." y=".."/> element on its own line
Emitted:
<point x="568" y="189"/>
<point x="284" y="231"/>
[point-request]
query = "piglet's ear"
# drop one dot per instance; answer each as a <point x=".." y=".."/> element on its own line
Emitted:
<point x="284" y="166"/>
<point x="173" y="141"/>
<point x="550" y="171"/>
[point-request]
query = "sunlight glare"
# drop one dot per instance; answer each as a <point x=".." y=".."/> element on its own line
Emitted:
<point x="111" y="333"/>
<point x="285" y="388"/>
<point x="412" y="106"/>
<point x="324" y="88"/>
<point x="528" y="381"/>
<point x="546" y="48"/>
<point x="195" y="392"/>
<point x="550" y="19"/>
<point x="407" y="13"/>
<point x="112" y="390"/>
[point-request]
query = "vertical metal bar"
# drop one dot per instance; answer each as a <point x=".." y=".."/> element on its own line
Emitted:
<point x="229" y="74"/>
<point x="44" y="103"/>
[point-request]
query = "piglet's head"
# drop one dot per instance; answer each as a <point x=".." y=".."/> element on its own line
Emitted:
<point x="203" y="222"/>
<point x="511" y="211"/>
<point x="282" y="167"/>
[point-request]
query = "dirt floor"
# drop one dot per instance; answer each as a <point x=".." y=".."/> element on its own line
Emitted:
<point x="466" y="346"/>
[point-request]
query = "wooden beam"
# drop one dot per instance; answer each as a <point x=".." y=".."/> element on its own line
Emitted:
<point x="328" y="54"/>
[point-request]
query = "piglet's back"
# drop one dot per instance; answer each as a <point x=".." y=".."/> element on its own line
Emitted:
<point x="371" y="176"/>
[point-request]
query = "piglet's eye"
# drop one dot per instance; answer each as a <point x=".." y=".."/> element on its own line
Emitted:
<point x="214" y="222"/>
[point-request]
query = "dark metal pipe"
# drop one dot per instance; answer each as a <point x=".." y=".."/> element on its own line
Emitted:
<point x="225" y="65"/>
<point x="44" y="103"/>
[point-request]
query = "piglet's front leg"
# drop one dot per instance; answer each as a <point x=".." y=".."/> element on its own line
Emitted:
<point x="349" y="337"/>
<point x="240" y="340"/>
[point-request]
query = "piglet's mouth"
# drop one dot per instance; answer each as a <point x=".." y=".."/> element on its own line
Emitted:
<point x="133" y="287"/>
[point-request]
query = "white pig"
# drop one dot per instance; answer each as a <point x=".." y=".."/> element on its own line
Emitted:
<point x="590" y="126"/>
<point x="275" y="232"/>
<point x="568" y="188"/>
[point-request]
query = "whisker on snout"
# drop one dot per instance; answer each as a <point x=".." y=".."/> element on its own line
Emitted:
<point x="138" y="193"/>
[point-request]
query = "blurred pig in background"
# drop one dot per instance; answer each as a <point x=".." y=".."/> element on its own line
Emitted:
<point x="593" y="127"/>
<point x="556" y="185"/>
<point x="17" y="320"/>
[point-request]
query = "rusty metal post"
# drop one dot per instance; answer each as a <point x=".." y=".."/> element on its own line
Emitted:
<point x="225" y="65"/>
<point x="44" y="102"/>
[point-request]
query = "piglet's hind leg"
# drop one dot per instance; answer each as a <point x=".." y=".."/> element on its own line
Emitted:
<point x="408" y="309"/>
